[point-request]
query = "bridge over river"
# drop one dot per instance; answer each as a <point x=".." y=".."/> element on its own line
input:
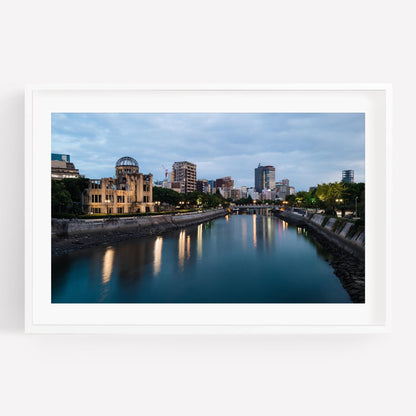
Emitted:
<point x="237" y="207"/>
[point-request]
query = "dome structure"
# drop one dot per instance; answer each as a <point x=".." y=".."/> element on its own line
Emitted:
<point x="126" y="161"/>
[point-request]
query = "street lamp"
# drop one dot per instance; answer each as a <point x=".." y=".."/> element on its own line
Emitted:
<point x="356" y="213"/>
<point x="107" y="201"/>
<point x="338" y="201"/>
<point x="157" y="203"/>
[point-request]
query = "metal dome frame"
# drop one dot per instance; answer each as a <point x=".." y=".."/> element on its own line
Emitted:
<point x="127" y="161"/>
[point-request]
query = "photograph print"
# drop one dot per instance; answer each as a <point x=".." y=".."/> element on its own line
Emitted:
<point x="208" y="208"/>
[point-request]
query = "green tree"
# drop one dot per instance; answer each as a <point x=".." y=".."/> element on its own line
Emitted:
<point x="75" y="187"/>
<point x="291" y="200"/>
<point x="60" y="197"/>
<point x="329" y="193"/>
<point x="167" y="196"/>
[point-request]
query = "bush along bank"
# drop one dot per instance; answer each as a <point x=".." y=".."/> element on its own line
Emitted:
<point x="73" y="234"/>
<point x="344" y="241"/>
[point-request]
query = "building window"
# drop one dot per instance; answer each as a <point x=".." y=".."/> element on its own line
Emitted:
<point x="120" y="210"/>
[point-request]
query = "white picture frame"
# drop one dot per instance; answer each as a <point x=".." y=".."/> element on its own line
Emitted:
<point x="41" y="316"/>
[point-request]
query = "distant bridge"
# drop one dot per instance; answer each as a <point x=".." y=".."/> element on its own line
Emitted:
<point x="238" y="207"/>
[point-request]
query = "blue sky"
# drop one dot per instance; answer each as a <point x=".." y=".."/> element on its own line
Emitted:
<point x="305" y="148"/>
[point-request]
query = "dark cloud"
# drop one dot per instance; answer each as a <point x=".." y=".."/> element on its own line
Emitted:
<point x="306" y="148"/>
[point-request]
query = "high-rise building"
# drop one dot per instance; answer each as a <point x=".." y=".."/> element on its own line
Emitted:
<point x="264" y="177"/>
<point x="226" y="183"/>
<point x="62" y="168"/>
<point x="235" y="194"/>
<point x="185" y="173"/>
<point x="202" y="185"/>
<point x="244" y="192"/>
<point x="251" y="192"/>
<point x="348" y="176"/>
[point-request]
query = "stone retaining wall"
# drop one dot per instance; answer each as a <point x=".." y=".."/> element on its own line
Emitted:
<point x="71" y="235"/>
<point x="353" y="244"/>
<point x="64" y="228"/>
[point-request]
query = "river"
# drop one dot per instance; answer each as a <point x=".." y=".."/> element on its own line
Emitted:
<point x="246" y="258"/>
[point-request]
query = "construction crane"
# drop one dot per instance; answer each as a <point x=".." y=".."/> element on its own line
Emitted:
<point x="166" y="172"/>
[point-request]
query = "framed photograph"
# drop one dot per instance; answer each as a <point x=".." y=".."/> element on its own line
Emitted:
<point x="208" y="209"/>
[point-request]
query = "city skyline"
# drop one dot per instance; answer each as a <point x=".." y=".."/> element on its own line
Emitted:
<point x="306" y="148"/>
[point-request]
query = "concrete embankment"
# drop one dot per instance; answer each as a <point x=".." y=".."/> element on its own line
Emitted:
<point x="73" y="234"/>
<point x="347" y="248"/>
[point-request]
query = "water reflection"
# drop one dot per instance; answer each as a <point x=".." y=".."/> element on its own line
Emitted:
<point x="199" y="241"/>
<point x="187" y="265"/>
<point x="181" y="249"/>
<point x="270" y="231"/>
<point x="244" y="233"/>
<point x="108" y="260"/>
<point x="188" y="247"/>
<point x="157" y="256"/>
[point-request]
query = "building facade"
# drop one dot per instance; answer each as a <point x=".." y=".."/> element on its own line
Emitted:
<point x="129" y="192"/>
<point x="235" y="194"/>
<point x="348" y="176"/>
<point x="264" y="178"/>
<point x="185" y="173"/>
<point x="253" y="194"/>
<point x="62" y="168"/>
<point x="225" y="183"/>
<point x="202" y="185"/>
<point x="244" y="192"/>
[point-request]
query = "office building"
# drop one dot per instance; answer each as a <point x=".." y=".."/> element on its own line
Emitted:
<point x="185" y="173"/>
<point x="244" y="192"/>
<point x="348" y="176"/>
<point x="264" y="178"/>
<point x="251" y="192"/>
<point x="202" y="185"/>
<point x="62" y="168"/>
<point x="235" y="194"/>
<point x="224" y="183"/>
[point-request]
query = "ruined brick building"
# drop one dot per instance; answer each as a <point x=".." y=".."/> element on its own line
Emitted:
<point x="129" y="192"/>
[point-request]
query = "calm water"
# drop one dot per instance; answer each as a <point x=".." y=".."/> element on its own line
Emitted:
<point x="239" y="258"/>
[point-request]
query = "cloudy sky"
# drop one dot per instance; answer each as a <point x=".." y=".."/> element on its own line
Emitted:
<point x="305" y="148"/>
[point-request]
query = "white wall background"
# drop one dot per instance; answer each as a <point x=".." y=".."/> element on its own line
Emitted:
<point x="216" y="41"/>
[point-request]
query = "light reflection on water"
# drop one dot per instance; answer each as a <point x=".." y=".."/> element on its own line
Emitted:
<point x="199" y="241"/>
<point x="107" y="265"/>
<point x="181" y="249"/>
<point x="240" y="258"/>
<point x="157" y="262"/>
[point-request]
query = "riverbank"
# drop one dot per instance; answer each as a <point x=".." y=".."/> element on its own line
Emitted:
<point x="348" y="254"/>
<point x="69" y="235"/>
